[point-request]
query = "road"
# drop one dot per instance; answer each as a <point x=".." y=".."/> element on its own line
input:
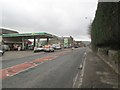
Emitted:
<point x="59" y="71"/>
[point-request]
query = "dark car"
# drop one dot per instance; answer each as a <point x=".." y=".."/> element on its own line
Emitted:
<point x="76" y="46"/>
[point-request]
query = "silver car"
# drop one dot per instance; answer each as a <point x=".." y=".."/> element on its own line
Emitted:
<point x="1" y="52"/>
<point x="48" y="48"/>
<point x="5" y="47"/>
<point x="38" y="49"/>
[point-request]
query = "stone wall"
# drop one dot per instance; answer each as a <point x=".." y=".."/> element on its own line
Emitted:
<point x="111" y="57"/>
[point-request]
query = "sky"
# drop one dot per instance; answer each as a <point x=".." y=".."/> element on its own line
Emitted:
<point x="58" y="17"/>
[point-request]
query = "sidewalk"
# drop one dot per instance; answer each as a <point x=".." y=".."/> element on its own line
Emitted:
<point x="97" y="74"/>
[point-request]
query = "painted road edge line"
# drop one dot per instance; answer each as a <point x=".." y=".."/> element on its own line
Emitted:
<point x="77" y="80"/>
<point x="24" y="70"/>
<point x="74" y="80"/>
<point x="82" y="72"/>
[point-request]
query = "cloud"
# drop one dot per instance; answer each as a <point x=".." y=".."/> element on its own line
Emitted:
<point x="60" y="17"/>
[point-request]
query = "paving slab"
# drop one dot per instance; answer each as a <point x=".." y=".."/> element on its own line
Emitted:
<point x="97" y="74"/>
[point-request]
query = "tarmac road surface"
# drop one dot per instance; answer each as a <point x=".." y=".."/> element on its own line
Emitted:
<point x="51" y="70"/>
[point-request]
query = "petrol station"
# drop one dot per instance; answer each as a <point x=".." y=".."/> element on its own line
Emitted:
<point x="23" y="38"/>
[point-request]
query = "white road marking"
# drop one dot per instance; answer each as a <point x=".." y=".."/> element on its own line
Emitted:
<point x="14" y="66"/>
<point x="23" y="70"/>
<point x="26" y="69"/>
<point x="82" y="66"/>
<point x="29" y="67"/>
<point x="82" y="73"/>
<point x="74" y="81"/>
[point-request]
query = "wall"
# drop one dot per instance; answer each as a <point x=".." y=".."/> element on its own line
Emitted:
<point x="111" y="57"/>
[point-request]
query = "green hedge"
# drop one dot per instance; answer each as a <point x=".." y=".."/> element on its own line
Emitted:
<point x="105" y="30"/>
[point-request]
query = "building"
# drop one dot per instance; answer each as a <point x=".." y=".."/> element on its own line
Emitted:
<point x="54" y="40"/>
<point x="15" y="39"/>
<point x="65" y="42"/>
<point x="7" y="31"/>
<point x="68" y="42"/>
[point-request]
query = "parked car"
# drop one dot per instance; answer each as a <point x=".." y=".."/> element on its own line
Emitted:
<point x="48" y="48"/>
<point x="31" y="47"/>
<point x="1" y="52"/>
<point x="76" y="46"/>
<point x="39" y="49"/>
<point x="5" y="48"/>
<point x="56" y="46"/>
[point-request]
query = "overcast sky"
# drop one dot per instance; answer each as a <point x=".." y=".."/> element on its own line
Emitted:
<point x="59" y="17"/>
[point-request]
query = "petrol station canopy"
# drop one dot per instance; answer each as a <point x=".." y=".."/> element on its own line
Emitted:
<point x="28" y="35"/>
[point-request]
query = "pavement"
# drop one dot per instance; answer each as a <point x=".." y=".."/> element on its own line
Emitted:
<point x="97" y="74"/>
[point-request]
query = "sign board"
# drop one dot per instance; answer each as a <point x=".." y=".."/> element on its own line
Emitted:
<point x="65" y="42"/>
<point x="0" y="40"/>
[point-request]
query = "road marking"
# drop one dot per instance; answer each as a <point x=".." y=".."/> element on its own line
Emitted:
<point x="77" y="81"/>
<point x="24" y="70"/>
<point x="43" y="59"/>
<point x="82" y="72"/>
<point x="80" y="67"/>
<point x="74" y="81"/>
<point x="16" y="69"/>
